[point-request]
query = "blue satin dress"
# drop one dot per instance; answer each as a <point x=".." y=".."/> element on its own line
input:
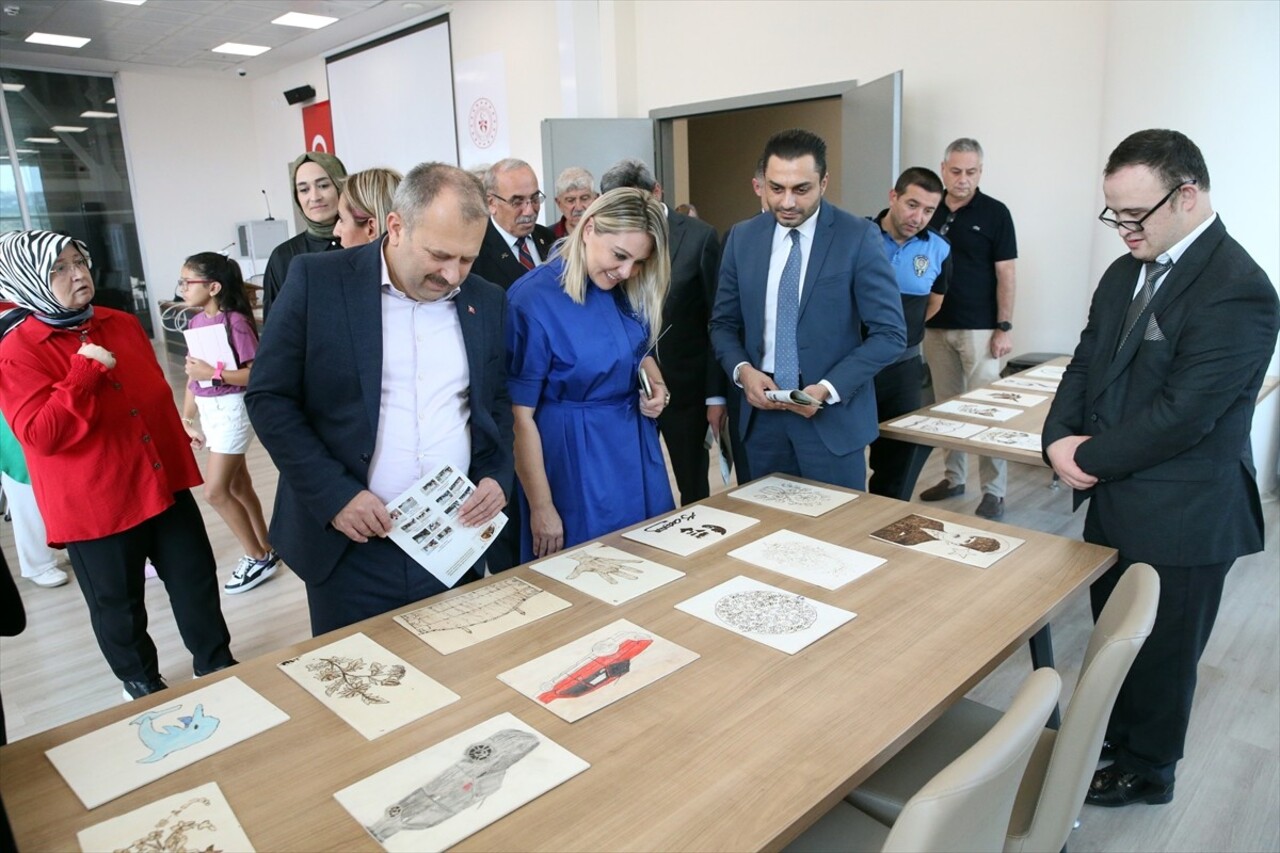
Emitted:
<point x="576" y="366"/>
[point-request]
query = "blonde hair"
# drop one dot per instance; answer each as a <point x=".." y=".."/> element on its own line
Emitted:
<point x="369" y="193"/>
<point x="618" y="211"/>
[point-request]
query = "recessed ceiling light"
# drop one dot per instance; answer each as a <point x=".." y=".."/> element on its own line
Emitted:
<point x="43" y="140"/>
<point x="241" y="49"/>
<point x="111" y="100"/>
<point x="96" y="114"/>
<point x="26" y="151"/>
<point x="128" y="2"/>
<point x="14" y="87"/>
<point x="57" y="40"/>
<point x="68" y="128"/>
<point x="302" y="19"/>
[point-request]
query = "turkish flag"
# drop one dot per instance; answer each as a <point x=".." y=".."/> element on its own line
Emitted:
<point x="317" y="128"/>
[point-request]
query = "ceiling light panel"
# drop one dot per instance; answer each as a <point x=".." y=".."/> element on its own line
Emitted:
<point x="240" y="49"/>
<point x="68" y="128"/>
<point x="56" y="40"/>
<point x="96" y="114"/>
<point x="302" y="19"/>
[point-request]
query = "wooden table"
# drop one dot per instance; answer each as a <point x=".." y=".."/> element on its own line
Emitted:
<point x="1030" y="420"/>
<point x="741" y="750"/>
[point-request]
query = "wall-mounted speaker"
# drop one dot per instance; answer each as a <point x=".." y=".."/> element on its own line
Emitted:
<point x="300" y="94"/>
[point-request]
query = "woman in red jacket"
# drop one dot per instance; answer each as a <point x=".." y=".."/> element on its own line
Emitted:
<point x="110" y="462"/>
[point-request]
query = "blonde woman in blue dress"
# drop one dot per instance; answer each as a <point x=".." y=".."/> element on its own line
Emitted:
<point x="580" y="328"/>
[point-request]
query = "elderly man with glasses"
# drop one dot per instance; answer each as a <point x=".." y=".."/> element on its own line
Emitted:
<point x="514" y="242"/>
<point x="1151" y="424"/>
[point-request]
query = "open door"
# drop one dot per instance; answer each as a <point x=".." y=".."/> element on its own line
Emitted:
<point x="594" y="144"/>
<point x="871" y="124"/>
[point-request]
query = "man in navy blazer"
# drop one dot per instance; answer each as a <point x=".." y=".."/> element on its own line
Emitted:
<point x="384" y="362"/>
<point x="845" y="285"/>
<point x="1151" y="422"/>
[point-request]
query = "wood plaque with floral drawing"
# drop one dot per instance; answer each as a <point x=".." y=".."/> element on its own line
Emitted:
<point x="374" y="691"/>
<point x="199" y="819"/>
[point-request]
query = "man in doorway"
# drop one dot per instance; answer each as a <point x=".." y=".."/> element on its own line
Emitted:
<point x="384" y="362"/>
<point x="1151" y="422"/>
<point x="689" y="367"/>
<point x="807" y="302"/>
<point x="575" y="190"/>
<point x="921" y="261"/>
<point x="514" y="242"/>
<point x="967" y="341"/>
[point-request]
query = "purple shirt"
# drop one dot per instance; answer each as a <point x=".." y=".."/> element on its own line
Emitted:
<point x="244" y="343"/>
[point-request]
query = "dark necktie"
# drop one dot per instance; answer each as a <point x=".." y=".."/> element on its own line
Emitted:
<point x="786" y="357"/>
<point x="1141" y="299"/>
<point x="526" y="259"/>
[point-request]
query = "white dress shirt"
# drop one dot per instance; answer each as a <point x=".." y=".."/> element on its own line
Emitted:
<point x="1172" y="256"/>
<point x="425" y="409"/>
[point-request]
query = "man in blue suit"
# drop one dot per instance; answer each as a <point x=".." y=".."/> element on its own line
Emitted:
<point x="807" y="301"/>
<point x="384" y="362"/>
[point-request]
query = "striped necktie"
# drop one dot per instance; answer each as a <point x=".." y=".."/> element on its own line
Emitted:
<point x="1141" y="299"/>
<point x="526" y="259"/>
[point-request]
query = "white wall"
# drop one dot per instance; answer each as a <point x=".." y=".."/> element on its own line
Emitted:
<point x="276" y="129"/>
<point x="193" y="161"/>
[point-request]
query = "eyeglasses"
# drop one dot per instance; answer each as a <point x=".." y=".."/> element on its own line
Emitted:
<point x="946" y="226"/>
<point x="1135" y="225"/>
<point x="518" y="202"/>
<point x="62" y="270"/>
<point x="184" y="283"/>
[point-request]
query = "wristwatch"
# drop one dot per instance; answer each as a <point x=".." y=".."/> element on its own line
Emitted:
<point x="217" y="374"/>
<point x="1004" y="326"/>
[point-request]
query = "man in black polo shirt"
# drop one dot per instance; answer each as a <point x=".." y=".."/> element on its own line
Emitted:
<point x="921" y="264"/>
<point x="968" y="339"/>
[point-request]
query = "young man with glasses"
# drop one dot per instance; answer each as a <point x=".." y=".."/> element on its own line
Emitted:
<point x="514" y="242"/>
<point x="968" y="339"/>
<point x="1151" y="423"/>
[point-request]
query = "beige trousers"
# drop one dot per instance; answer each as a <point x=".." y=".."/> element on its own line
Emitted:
<point x="960" y="360"/>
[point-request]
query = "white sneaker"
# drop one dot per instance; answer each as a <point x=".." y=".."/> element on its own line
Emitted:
<point x="250" y="572"/>
<point x="50" y="578"/>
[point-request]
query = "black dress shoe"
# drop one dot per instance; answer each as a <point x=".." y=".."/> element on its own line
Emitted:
<point x="1112" y="788"/>
<point x="942" y="491"/>
<point x="138" y="689"/>
<point x="1108" y="752"/>
<point x="202" y="673"/>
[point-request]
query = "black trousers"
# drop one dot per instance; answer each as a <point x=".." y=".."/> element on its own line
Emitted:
<point x="110" y="572"/>
<point x="684" y="430"/>
<point x="895" y="465"/>
<point x="1149" y="721"/>
<point x="504" y="553"/>
<point x="370" y="579"/>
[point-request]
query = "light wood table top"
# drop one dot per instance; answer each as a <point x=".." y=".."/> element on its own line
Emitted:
<point x="1030" y="420"/>
<point x="740" y="750"/>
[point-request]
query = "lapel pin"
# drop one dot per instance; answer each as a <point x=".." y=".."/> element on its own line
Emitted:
<point x="471" y="309"/>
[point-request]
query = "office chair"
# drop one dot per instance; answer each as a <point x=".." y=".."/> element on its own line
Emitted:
<point x="1063" y="762"/>
<point x="967" y="804"/>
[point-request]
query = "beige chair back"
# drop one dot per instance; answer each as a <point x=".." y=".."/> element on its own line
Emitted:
<point x="967" y="805"/>
<point x="1044" y="814"/>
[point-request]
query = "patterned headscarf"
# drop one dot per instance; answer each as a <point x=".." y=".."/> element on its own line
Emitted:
<point x="335" y="170"/>
<point x="26" y="260"/>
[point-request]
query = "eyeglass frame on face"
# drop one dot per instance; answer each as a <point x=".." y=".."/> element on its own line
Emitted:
<point x="1134" y="226"/>
<point x="518" y="202"/>
<point x="184" y="283"/>
<point x="59" y="270"/>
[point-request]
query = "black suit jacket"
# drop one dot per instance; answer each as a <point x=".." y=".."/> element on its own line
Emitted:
<point x="316" y="388"/>
<point x="498" y="264"/>
<point x="684" y="354"/>
<point x="1169" y="414"/>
